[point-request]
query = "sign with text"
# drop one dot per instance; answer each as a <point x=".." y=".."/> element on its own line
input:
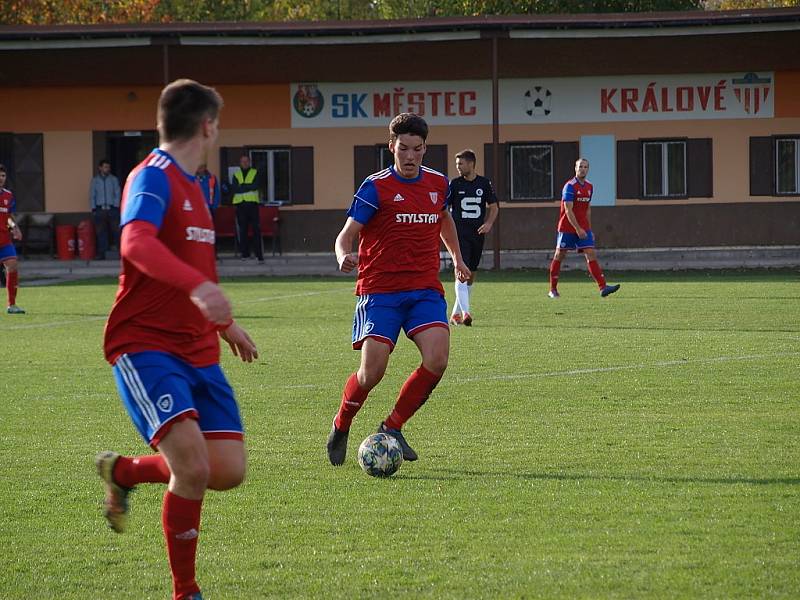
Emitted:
<point x="538" y="100"/>
<point x="374" y="104"/>
<point x="637" y="98"/>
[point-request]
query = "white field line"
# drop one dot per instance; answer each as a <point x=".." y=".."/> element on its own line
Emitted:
<point x="87" y="319"/>
<point x="515" y="376"/>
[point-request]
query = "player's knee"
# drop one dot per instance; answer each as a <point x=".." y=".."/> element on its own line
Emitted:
<point x="436" y="363"/>
<point x="228" y="478"/>
<point x="192" y="472"/>
<point x="369" y="377"/>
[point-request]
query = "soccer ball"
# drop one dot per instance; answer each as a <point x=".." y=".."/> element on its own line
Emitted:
<point x="538" y="102"/>
<point x="380" y="455"/>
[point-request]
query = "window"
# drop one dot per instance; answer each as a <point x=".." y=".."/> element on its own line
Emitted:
<point x="274" y="171"/>
<point x="531" y="172"/>
<point x="787" y="166"/>
<point x="664" y="165"/>
<point x="23" y="156"/>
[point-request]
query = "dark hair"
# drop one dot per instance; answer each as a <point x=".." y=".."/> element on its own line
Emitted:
<point x="408" y="123"/>
<point x="103" y="161"/>
<point x="466" y="155"/>
<point x="183" y="105"/>
<point x="3" y="169"/>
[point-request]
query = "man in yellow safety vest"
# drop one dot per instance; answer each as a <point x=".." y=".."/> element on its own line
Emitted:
<point x="246" y="201"/>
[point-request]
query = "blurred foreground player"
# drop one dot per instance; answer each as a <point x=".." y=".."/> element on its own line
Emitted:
<point x="9" y="231"/>
<point x="575" y="230"/>
<point x="399" y="214"/>
<point x="474" y="207"/>
<point x="162" y="335"/>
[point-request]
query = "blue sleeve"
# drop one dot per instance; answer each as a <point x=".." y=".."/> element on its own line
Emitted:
<point x="365" y="203"/>
<point x="13" y="207"/>
<point x="147" y="198"/>
<point x="568" y="193"/>
<point x="447" y="194"/>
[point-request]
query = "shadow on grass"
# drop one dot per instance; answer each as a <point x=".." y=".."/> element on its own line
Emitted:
<point x="458" y="475"/>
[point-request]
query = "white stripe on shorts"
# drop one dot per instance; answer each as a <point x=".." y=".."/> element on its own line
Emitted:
<point x="361" y="317"/>
<point x="138" y="391"/>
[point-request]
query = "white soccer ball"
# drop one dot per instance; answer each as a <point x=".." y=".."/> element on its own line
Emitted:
<point x="380" y="455"/>
<point x="538" y="102"/>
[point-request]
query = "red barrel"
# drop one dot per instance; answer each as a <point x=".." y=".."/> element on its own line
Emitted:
<point x="65" y="241"/>
<point x="86" y="240"/>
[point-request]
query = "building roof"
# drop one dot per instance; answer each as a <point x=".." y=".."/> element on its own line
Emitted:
<point x="426" y="29"/>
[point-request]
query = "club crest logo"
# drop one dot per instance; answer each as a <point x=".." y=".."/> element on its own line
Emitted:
<point x="752" y="92"/>
<point x="308" y="100"/>
<point x="479" y="192"/>
<point x="434" y="197"/>
<point x="165" y="403"/>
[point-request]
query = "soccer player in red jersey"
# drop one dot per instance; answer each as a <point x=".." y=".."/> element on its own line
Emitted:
<point x="399" y="215"/>
<point x="8" y="233"/>
<point x="162" y="336"/>
<point x="575" y="230"/>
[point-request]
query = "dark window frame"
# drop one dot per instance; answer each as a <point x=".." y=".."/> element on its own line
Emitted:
<point x="510" y="146"/>
<point x="643" y="142"/>
<point x="777" y="139"/>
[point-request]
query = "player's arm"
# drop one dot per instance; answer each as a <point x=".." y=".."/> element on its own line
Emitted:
<point x="449" y="236"/>
<point x="347" y="259"/>
<point x="142" y="248"/>
<point x="16" y="232"/>
<point x="491" y="217"/>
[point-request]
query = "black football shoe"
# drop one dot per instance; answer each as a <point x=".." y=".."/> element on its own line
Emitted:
<point x="337" y="446"/>
<point x="408" y="451"/>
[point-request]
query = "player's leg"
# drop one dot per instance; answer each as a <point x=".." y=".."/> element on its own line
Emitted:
<point x="9" y="262"/>
<point x="476" y="251"/>
<point x="185" y="450"/>
<point x="376" y="326"/>
<point x="595" y="270"/>
<point x="255" y="222"/>
<point x="461" y="304"/>
<point x="427" y="327"/>
<point x="555" y="266"/>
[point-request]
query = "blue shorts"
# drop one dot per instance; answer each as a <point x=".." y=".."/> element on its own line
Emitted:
<point x="7" y="252"/>
<point x="571" y="241"/>
<point x="159" y="389"/>
<point x="381" y="316"/>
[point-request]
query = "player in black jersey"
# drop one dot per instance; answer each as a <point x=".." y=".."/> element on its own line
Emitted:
<point x="474" y="207"/>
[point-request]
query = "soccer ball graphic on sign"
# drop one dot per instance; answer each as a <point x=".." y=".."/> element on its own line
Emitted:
<point x="380" y="455"/>
<point x="538" y="101"/>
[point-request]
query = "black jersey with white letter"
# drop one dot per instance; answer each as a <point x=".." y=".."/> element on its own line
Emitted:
<point x="469" y="201"/>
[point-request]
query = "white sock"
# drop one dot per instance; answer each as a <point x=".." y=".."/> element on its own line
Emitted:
<point x="462" y="296"/>
<point x="456" y="304"/>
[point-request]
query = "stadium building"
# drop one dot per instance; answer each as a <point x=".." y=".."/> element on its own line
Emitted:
<point x="691" y="121"/>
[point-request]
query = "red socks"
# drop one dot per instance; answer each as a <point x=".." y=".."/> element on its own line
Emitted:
<point x="140" y="469"/>
<point x="353" y="398"/>
<point x="12" y="280"/>
<point x="555" y="269"/>
<point x="181" y="521"/>
<point x="597" y="273"/>
<point x="413" y="394"/>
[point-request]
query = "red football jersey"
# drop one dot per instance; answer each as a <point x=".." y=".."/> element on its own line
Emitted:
<point x="7" y="208"/>
<point x="399" y="245"/>
<point x="148" y="314"/>
<point x="580" y="195"/>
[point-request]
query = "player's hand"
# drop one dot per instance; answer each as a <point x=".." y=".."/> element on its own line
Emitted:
<point x="348" y="262"/>
<point x="214" y="305"/>
<point x="581" y="233"/>
<point x="16" y="233"/>
<point x="240" y="343"/>
<point x="462" y="272"/>
<point x="485" y="228"/>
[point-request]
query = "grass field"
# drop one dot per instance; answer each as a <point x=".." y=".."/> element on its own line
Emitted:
<point x="642" y="446"/>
